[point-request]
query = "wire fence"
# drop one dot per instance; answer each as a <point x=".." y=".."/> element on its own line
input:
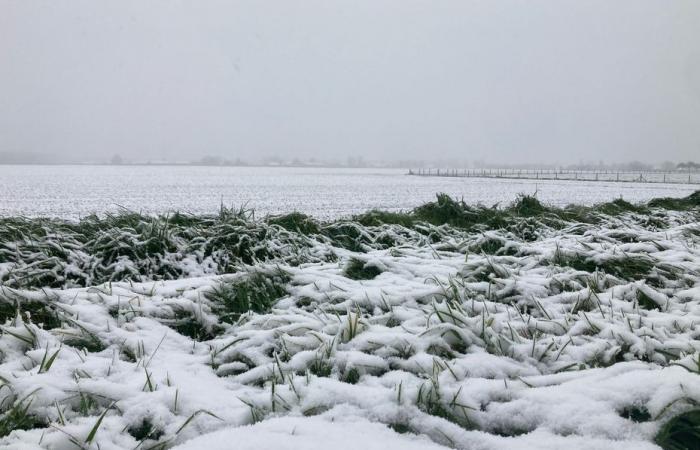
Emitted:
<point x="630" y="176"/>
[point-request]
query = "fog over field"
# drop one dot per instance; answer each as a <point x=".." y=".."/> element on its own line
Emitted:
<point x="509" y="81"/>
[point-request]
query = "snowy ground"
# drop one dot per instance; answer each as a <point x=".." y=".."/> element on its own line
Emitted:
<point x="76" y="191"/>
<point x="584" y="336"/>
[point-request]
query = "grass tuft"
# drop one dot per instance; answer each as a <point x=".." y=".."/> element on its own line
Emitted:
<point x="296" y="222"/>
<point x="681" y="432"/>
<point x="17" y="417"/>
<point x="358" y="269"/>
<point x="255" y="292"/>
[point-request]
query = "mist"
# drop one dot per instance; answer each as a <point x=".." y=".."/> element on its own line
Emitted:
<point x="507" y="81"/>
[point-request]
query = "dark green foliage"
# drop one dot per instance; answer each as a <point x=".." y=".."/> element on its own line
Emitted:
<point x="430" y="401"/>
<point x="488" y="246"/>
<point x="131" y="246"/>
<point x="447" y="211"/>
<point x="188" y="324"/>
<point x="385" y="240"/>
<point x="320" y="367"/>
<point x="619" y="206"/>
<point x="145" y="430"/>
<point x="375" y="218"/>
<point x="400" y="428"/>
<point x="493" y="246"/>
<point x="509" y="432"/>
<point x="681" y="204"/>
<point x="348" y="235"/>
<point x="255" y="292"/>
<point x="297" y="222"/>
<point x="636" y="414"/>
<point x="351" y="376"/>
<point x="527" y="229"/>
<point x="681" y="433"/>
<point x="41" y="313"/>
<point x="392" y="322"/>
<point x="645" y="302"/>
<point x="304" y="302"/>
<point x="357" y="269"/>
<point x="528" y="206"/>
<point x="17" y="417"/>
<point x="575" y="261"/>
<point x="88" y="342"/>
<point x="628" y="268"/>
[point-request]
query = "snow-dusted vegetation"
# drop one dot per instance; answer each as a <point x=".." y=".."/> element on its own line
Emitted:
<point x="450" y="326"/>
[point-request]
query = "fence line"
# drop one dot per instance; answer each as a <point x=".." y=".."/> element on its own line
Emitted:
<point x="650" y="176"/>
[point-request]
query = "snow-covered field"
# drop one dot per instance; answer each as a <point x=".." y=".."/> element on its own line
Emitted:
<point x="76" y="191"/>
<point x="550" y="330"/>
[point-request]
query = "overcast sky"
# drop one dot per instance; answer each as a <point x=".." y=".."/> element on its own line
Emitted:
<point x="505" y="81"/>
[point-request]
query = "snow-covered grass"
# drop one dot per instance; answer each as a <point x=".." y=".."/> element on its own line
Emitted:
<point x="447" y="326"/>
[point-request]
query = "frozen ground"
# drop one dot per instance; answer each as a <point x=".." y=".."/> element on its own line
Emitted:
<point x="544" y="333"/>
<point x="76" y="191"/>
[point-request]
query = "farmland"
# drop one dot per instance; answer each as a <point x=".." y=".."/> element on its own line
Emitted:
<point x="450" y="325"/>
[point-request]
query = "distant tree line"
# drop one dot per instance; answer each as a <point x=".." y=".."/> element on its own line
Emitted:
<point x="689" y="165"/>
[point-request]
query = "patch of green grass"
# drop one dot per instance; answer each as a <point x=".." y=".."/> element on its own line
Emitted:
<point x="351" y="376"/>
<point x="376" y="217"/>
<point x="188" y="324"/>
<point x="488" y="246"/>
<point x="400" y="428"/>
<point x="297" y="222"/>
<point x="679" y="204"/>
<point x="18" y="417"/>
<point x="40" y="312"/>
<point x="629" y="268"/>
<point x="132" y="246"/>
<point x="320" y="367"/>
<point x="681" y="433"/>
<point x="645" y="302"/>
<point x="617" y="207"/>
<point x="357" y="269"/>
<point x="255" y="292"/>
<point x="636" y="414"/>
<point x="145" y="430"/>
<point x="85" y="341"/>
<point x="431" y="402"/>
<point x="348" y="235"/>
<point x="448" y="211"/>
<point x="576" y="261"/>
<point x="528" y="206"/>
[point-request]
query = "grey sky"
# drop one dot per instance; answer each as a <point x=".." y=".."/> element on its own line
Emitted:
<point x="506" y="81"/>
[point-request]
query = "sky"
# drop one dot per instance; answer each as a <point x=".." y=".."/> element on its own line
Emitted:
<point x="507" y="81"/>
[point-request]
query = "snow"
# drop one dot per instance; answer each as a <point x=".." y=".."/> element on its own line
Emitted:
<point x="312" y="433"/>
<point x="77" y="191"/>
<point x="460" y="349"/>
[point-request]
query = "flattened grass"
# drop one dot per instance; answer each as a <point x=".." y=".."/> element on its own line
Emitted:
<point x="296" y="222"/>
<point x="256" y="292"/>
<point x="136" y="247"/>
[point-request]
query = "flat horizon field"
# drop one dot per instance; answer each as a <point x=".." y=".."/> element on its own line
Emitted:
<point x="324" y="193"/>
